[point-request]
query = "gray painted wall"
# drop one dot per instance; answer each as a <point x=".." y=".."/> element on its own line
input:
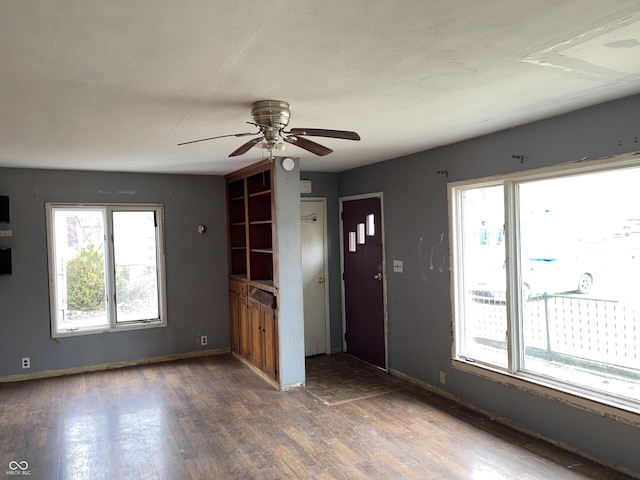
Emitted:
<point x="289" y="268"/>
<point x="326" y="185"/>
<point x="416" y="231"/>
<point x="196" y="266"/>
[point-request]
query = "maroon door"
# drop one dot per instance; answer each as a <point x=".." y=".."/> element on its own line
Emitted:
<point x="363" y="283"/>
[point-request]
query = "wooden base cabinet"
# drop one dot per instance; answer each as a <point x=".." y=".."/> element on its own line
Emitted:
<point x="270" y="342"/>
<point x="264" y="345"/>
<point x="239" y="317"/>
<point x="254" y="327"/>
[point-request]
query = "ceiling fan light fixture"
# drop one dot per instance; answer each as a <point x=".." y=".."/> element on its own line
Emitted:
<point x="272" y="145"/>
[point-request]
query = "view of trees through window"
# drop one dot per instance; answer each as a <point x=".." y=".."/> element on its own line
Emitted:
<point x="570" y="292"/>
<point x="104" y="267"/>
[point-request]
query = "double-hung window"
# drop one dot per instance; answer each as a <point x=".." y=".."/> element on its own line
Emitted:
<point x="106" y="267"/>
<point x="545" y="280"/>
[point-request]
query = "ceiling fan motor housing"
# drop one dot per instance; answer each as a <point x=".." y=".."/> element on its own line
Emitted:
<point x="271" y="113"/>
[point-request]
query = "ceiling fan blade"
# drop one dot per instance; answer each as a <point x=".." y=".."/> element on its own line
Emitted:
<point x="246" y="147"/>
<point x="220" y="136"/>
<point x="321" y="132"/>
<point x="312" y="147"/>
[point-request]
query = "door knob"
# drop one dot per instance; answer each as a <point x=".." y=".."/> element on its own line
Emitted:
<point x="378" y="276"/>
<point x="320" y="280"/>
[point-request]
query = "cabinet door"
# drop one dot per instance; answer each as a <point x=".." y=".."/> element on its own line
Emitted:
<point x="270" y="342"/>
<point x="244" y="326"/>
<point x="255" y="332"/>
<point x="234" y="311"/>
<point x="238" y="313"/>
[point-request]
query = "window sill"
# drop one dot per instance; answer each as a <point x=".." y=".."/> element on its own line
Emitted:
<point x="120" y="328"/>
<point x="545" y="388"/>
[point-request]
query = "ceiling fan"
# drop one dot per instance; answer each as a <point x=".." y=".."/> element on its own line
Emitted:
<point x="272" y="117"/>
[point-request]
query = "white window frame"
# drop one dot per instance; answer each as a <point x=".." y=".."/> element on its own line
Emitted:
<point x="113" y="325"/>
<point x="512" y="375"/>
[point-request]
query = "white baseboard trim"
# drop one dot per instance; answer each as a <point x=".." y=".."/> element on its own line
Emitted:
<point x="111" y="365"/>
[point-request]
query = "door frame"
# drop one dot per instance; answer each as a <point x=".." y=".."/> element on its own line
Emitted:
<point x="325" y="268"/>
<point x="348" y="198"/>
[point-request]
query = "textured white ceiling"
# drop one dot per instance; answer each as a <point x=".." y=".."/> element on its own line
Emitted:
<point x="115" y="85"/>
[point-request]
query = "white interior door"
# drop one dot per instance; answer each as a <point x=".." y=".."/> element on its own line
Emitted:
<point x="314" y="276"/>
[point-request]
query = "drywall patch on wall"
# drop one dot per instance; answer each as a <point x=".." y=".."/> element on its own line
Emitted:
<point x="423" y="263"/>
<point x="439" y="257"/>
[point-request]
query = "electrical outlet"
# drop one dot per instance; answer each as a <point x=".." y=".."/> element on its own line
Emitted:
<point x="443" y="378"/>
<point x="398" y="266"/>
<point x="26" y="362"/>
<point x="203" y="340"/>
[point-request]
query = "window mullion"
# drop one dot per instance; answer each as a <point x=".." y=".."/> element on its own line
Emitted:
<point x="110" y="268"/>
<point x="159" y="262"/>
<point x="514" y="303"/>
<point x="459" y="346"/>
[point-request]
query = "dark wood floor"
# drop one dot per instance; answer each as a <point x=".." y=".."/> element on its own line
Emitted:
<point x="212" y="418"/>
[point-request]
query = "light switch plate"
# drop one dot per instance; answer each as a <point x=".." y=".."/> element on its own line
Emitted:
<point x="397" y="266"/>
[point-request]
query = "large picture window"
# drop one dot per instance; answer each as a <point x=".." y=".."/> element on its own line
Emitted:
<point x="106" y="267"/>
<point x="545" y="279"/>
